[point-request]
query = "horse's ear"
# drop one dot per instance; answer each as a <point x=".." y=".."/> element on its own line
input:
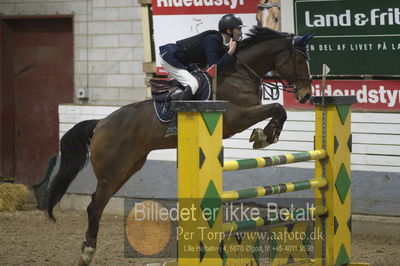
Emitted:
<point x="308" y="37"/>
<point x="302" y="41"/>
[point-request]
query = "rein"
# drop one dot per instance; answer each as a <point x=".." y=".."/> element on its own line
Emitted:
<point x="273" y="86"/>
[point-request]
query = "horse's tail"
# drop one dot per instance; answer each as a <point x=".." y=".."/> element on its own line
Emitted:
<point x="74" y="153"/>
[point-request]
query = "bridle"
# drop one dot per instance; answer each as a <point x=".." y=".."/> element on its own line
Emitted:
<point x="269" y="6"/>
<point x="272" y="88"/>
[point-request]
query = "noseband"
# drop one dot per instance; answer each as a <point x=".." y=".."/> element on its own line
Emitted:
<point x="272" y="88"/>
<point x="269" y="6"/>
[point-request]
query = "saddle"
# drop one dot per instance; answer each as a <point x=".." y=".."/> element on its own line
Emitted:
<point x="161" y="90"/>
<point x="161" y="86"/>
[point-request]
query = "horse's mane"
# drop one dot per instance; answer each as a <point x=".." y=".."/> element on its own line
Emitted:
<point x="258" y="34"/>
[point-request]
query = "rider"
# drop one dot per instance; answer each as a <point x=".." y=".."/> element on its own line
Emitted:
<point x="205" y="49"/>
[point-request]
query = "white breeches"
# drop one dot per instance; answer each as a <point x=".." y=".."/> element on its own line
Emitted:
<point x="181" y="75"/>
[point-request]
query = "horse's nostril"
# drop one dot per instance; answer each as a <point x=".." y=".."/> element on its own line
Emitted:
<point x="305" y="98"/>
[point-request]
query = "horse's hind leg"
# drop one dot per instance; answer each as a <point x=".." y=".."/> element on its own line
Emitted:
<point x="106" y="188"/>
<point x="95" y="209"/>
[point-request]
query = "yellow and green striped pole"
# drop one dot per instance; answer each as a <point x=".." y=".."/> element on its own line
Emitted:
<point x="256" y="192"/>
<point x="274" y="160"/>
<point x="274" y="218"/>
<point x="200" y="162"/>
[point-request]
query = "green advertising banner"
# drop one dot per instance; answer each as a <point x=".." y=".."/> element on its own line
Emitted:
<point x="354" y="37"/>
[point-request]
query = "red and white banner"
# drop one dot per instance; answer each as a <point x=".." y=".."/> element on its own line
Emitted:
<point x="190" y="7"/>
<point x="372" y="95"/>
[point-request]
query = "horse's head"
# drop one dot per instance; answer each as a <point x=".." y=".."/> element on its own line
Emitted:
<point x="294" y="66"/>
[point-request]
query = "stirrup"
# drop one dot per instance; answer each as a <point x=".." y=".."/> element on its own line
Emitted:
<point x="171" y="129"/>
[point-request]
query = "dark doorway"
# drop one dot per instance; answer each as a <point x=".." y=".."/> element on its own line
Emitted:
<point x="36" y="76"/>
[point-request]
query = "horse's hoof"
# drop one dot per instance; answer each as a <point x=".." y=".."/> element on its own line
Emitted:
<point x="257" y="135"/>
<point x="260" y="144"/>
<point x="87" y="256"/>
<point x="81" y="262"/>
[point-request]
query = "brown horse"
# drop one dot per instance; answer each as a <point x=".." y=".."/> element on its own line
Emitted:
<point x="119" y="144"/>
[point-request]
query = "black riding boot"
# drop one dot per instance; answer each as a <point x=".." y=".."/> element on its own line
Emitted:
<point x="182" y="94"/>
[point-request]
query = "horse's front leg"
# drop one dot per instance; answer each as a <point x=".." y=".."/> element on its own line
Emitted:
<point x="272" y="130"/>
<point x="252" y="115"/>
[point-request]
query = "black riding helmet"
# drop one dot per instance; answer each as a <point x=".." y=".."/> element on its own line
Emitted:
<point x="229" y="21"/>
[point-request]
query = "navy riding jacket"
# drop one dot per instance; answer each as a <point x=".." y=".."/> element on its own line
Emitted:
<point x="213" y="51"/>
